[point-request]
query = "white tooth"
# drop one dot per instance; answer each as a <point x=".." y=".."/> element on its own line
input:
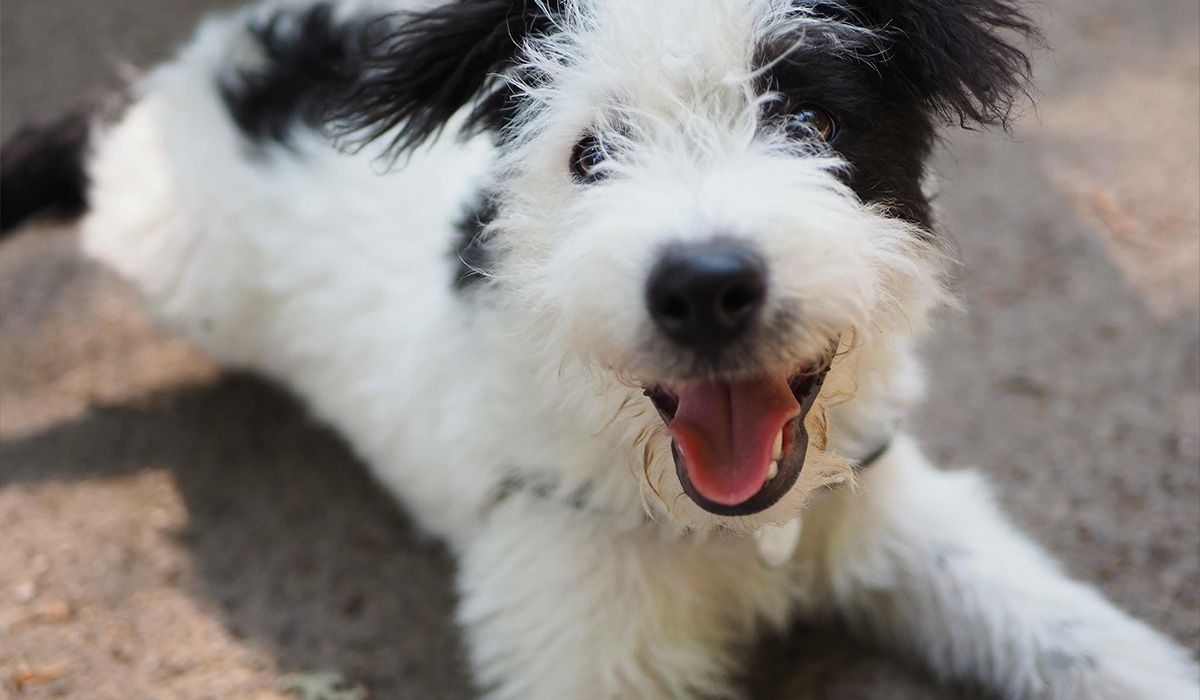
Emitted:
<point x="777" y="543"/>
<point x="777" y="448"/>
<point x="772" y="470"/>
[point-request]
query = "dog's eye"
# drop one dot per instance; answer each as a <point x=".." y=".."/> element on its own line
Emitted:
<point x="812" y="122"/>
<point x="587" y="159"/>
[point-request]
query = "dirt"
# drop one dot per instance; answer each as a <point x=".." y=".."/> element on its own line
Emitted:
<point x="169" y="530"/>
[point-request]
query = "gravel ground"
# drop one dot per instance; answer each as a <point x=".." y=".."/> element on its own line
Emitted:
<point x="171" y="531"/>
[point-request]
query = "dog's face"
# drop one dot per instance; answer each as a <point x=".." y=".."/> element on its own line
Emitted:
<point x="713" y="200"/>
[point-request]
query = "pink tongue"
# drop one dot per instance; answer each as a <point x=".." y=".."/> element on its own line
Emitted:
<point x="726" y="430"/>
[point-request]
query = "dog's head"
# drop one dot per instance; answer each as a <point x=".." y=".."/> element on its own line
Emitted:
<point x="716" y="202"/>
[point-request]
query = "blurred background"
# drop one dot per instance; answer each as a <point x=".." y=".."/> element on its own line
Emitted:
<point x="168" y="530"/>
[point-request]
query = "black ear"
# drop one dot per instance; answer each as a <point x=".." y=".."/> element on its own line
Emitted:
<point x="960" y="56"/>
<point x="420" y="68"/>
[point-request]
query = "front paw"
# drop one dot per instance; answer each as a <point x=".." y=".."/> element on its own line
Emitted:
<point x="1142" y="669"/>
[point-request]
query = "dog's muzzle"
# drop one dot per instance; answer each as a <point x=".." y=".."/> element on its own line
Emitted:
<point x="739" y="441"/>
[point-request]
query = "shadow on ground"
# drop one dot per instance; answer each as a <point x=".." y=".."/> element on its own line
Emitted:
<point x="303" y="555"/>
<point x="290" y="539"/>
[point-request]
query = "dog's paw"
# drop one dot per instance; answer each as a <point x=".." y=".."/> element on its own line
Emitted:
<point x="1145" y="670"/>
<point x="1134" y="686"/>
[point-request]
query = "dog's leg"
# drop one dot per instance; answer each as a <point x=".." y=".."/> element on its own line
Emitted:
<point x="926" y="558"/>
<point x="556" y="604"/>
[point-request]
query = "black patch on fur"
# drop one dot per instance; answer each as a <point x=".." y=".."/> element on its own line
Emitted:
<point x="400" y="75"/>
<point x="42" y="171"/>
<point x="471" y="252"/>
<point x="433" y="63"/>
<point x="958" y="56"/>
<point x="928" y="60"/>
<point x="308" y="58"/>
<point x="884" y="135"/>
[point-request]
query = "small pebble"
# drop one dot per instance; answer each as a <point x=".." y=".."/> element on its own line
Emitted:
<point x="25" y="591"/>
<point x="28" y="675"/>
<point x="56" y="612"/>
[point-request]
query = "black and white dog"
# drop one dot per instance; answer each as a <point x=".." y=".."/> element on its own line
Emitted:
<point x="629" y="321"/>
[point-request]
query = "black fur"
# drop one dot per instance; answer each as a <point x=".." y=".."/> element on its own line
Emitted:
<point x="434" y="63"/>
<point x="958" y="56"/>
<point x="309" y="59"/>
<point x="884" y="134"/>
<point x="402" y="75"/>
<point x="930" y="60"/>
<point x="42" y="171"/>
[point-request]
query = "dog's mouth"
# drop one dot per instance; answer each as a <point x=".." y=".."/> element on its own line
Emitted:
<point x="739" y="444"/>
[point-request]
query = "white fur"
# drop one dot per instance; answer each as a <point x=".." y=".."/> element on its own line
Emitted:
<point x="317" y="268"/>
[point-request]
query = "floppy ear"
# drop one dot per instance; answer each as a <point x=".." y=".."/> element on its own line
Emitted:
<point x="420" y="68"/>
<point x="958" y="55"/>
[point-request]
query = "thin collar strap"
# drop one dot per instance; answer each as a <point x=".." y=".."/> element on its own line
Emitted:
<point x="549" y="488"/>
<point x="874" y="455"/>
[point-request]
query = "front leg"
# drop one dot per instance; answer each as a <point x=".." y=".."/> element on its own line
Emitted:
<point x="925" y="558"/>
<point x="555" y="604"/>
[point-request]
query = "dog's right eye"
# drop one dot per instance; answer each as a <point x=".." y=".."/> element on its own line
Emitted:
<point x="587" y="159"/>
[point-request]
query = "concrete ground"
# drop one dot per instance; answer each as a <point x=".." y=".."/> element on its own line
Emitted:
<point x="171" y="531"/>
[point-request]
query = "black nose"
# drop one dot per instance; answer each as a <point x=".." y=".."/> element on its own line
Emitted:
<point x="705" y="295"/>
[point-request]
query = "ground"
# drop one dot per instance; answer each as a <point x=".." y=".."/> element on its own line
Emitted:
<point x="171" y="531"/>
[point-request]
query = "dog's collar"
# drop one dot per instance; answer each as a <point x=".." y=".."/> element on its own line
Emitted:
<point x="543" y="487"/>
<point x="874" y="455"/>
<point x="550" y="489"/>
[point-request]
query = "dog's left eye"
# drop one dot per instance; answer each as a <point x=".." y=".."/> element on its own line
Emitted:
<point x="812" y="122"/>
<point x="587" y="159"/>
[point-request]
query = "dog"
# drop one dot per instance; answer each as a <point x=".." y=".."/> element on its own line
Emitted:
<point x="620" y="299"/>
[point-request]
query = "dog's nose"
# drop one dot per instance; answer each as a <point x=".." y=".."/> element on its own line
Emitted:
<point x="705" y="295"/>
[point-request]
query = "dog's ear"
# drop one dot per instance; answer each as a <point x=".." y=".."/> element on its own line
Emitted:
<point x="419" y="68"/>
<point x="962" y="57"/>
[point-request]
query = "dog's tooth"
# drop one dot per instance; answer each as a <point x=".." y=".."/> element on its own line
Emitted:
<point x="777" y="448"/>
<point x="772" y="470"/>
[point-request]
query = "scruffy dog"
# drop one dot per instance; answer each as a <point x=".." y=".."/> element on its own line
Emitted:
<point x="620" y="299"/>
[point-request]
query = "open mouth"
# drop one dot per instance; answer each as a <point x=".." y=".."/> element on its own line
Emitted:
<point x="739" y="443"/>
